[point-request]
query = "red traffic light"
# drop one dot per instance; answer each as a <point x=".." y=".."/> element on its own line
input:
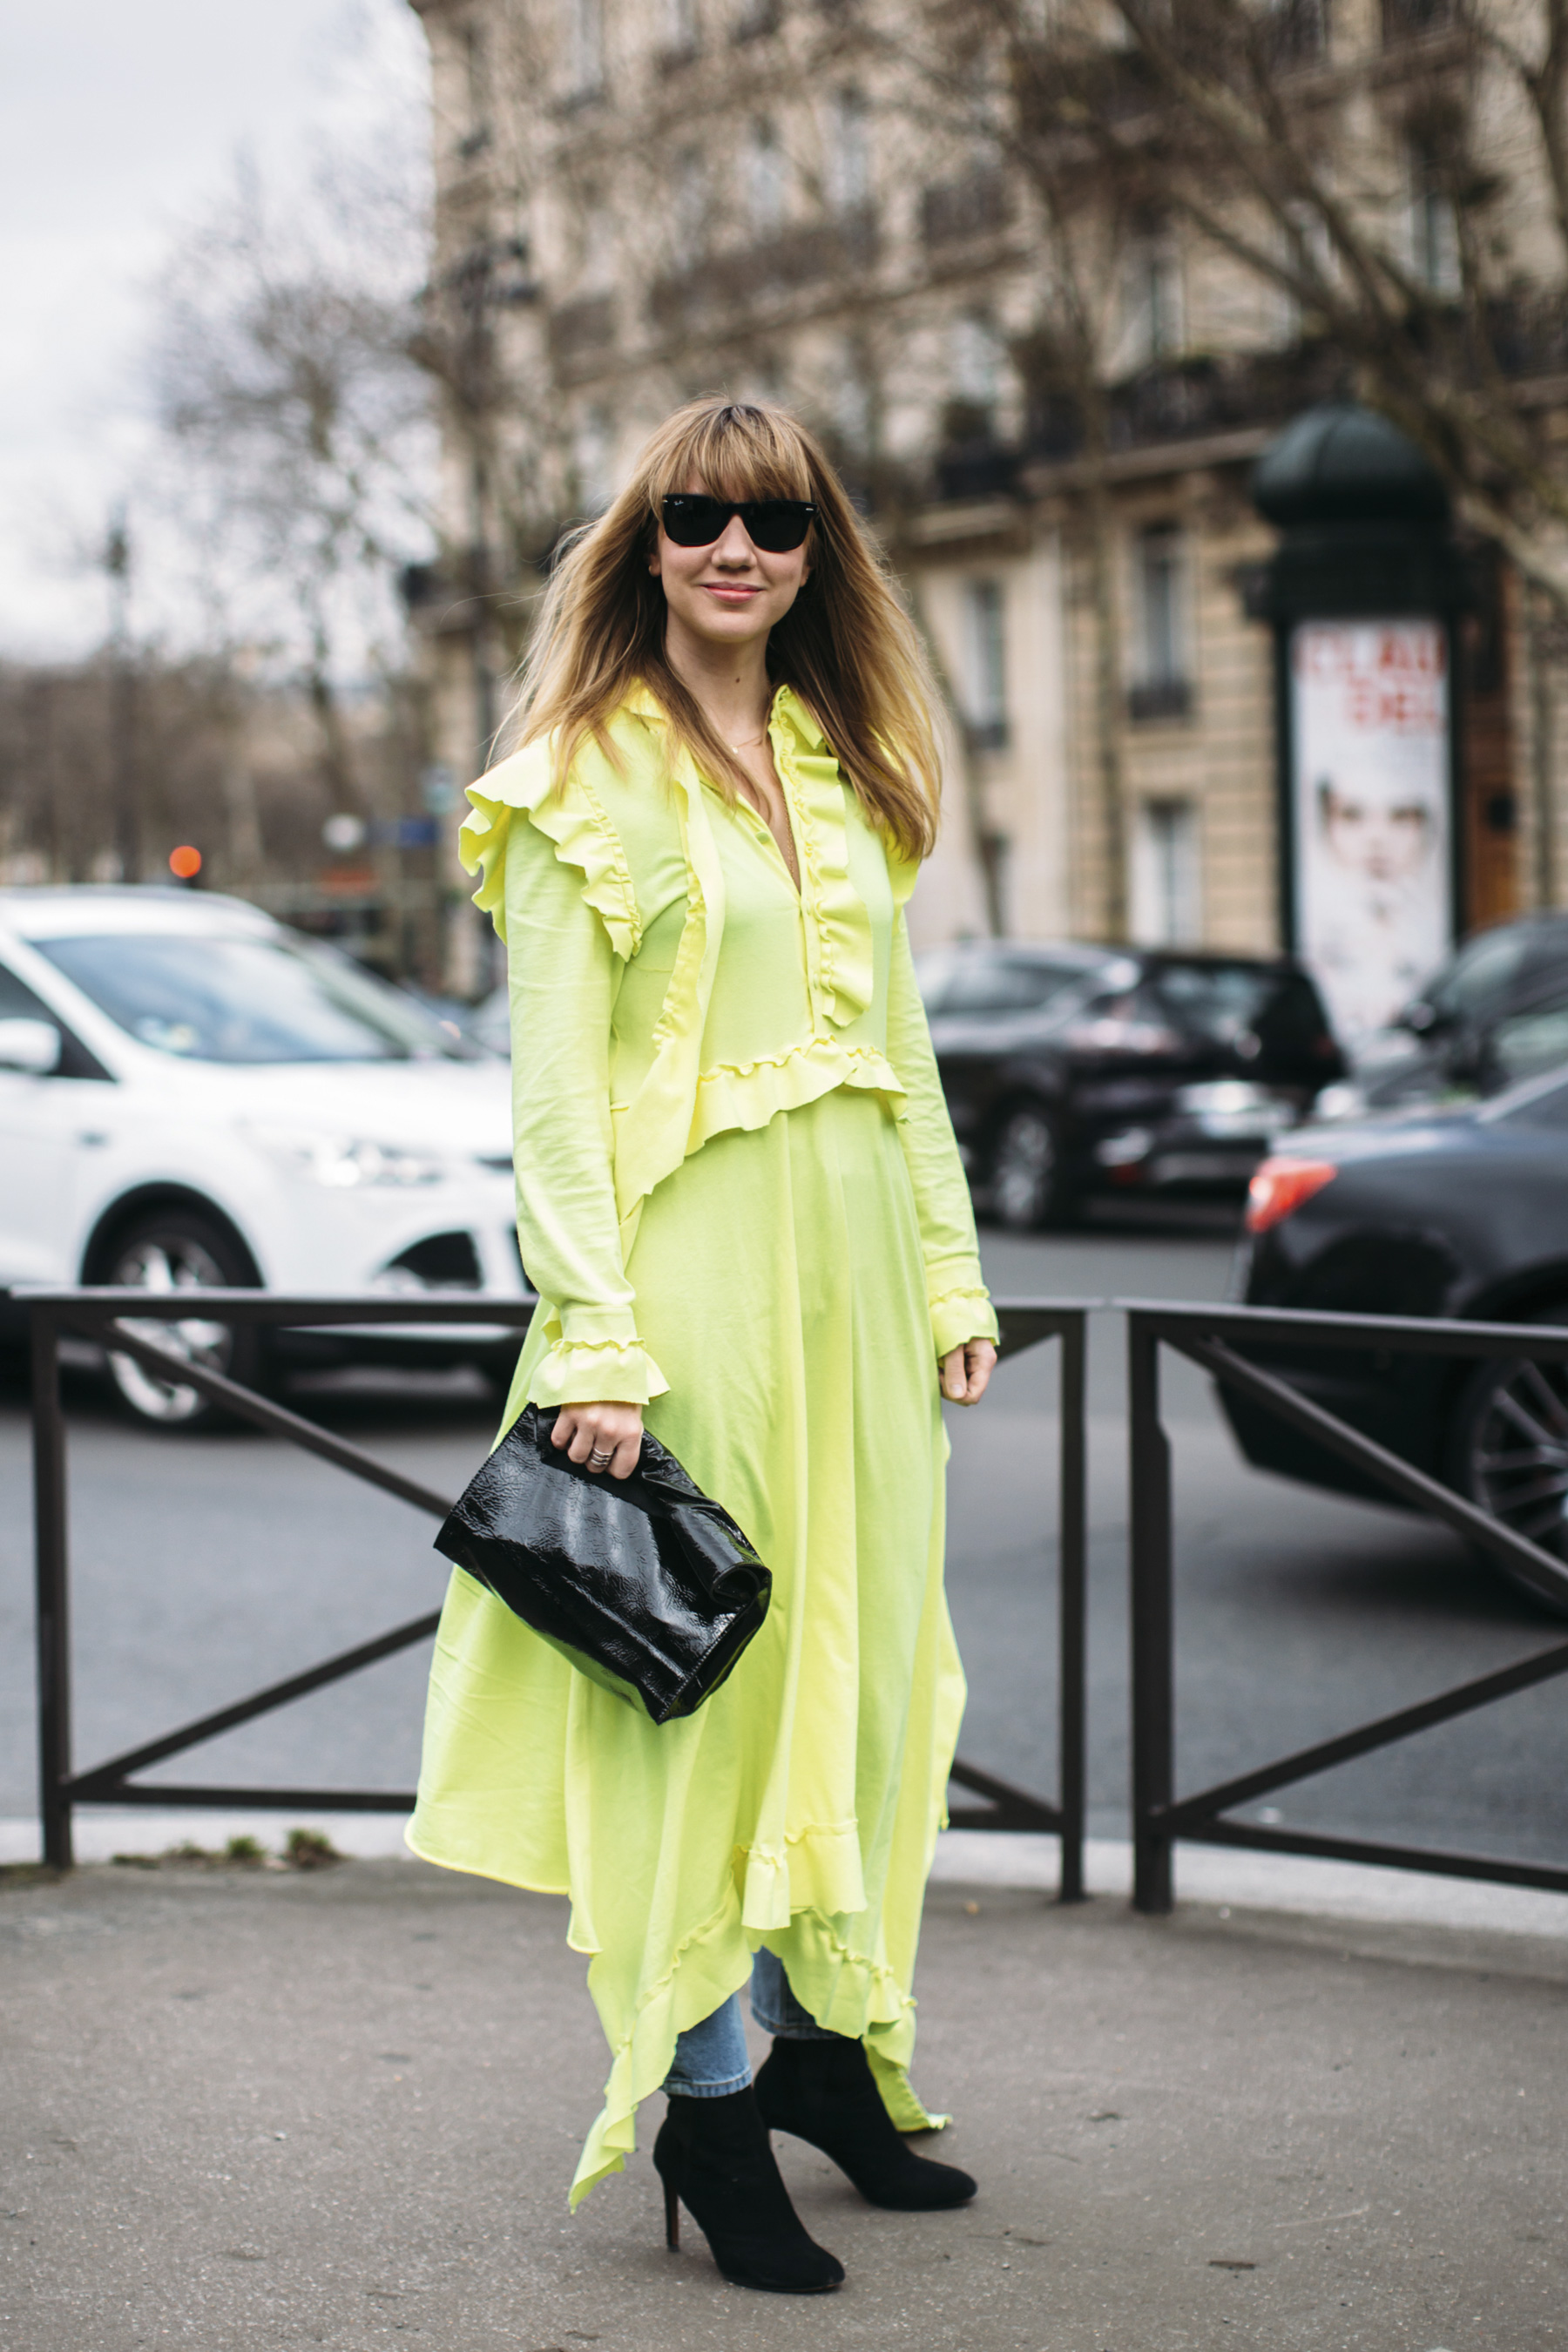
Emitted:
<point x="185" y="863"/>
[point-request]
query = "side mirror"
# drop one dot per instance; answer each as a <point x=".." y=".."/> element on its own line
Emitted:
<point x="30" y="1046"/>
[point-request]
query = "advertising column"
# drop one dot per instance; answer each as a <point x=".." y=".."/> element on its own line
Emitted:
<point x="1372" y="854"/>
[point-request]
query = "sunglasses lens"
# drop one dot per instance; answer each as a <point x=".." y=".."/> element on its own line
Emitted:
<point x="776" y="525"/>
<point x="692" y="520"/>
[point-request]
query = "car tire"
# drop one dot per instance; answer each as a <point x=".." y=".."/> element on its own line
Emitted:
<point x="1027" y="1184"/>
<point x="1508" y="1453"/>
<point x="177" y="1249"/>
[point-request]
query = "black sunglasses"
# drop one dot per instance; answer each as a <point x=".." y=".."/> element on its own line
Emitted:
<point x="691" y="519"/>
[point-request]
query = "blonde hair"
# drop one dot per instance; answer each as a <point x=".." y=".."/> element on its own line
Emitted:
<point x="846" y="646"/>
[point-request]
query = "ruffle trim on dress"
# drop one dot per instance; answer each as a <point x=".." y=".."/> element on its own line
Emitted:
<point x="713" y="1961"/>
<point x="960" y="1315"/>
<point x="751" y="1094"/>
<point x="572" y="818"/>
<point x="575" y="1371"/>
<point x="716" y="1960"/>
<point x="839" y="924"/>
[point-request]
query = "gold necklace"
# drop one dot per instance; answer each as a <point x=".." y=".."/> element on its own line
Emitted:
<point x="751" y="742"/>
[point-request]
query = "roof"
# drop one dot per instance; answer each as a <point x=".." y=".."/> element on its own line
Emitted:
<point x="1343" y="463"/>
<point x="46" y="912"/>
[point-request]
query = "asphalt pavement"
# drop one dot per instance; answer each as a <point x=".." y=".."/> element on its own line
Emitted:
<point x="247" y="2112"/>
<point x="206" y="1566"/>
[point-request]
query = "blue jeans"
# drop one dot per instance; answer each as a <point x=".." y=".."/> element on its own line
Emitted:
<point x="710" y="2059"/>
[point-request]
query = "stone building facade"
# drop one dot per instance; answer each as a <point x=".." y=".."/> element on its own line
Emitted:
<point x="640" y="200"/>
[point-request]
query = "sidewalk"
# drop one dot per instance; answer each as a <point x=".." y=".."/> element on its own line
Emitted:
<point x="246" y="2109"/>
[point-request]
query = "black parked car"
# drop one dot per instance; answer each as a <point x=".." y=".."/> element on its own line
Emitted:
<point x="1070" y="1070"/>
<point x="1493" y="1013"/>
<point x="1460" y="1212"/>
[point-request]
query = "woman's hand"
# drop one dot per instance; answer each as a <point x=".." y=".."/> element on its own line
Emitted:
<point x="966" y="1370"/>
<point x="604" y="1436"/>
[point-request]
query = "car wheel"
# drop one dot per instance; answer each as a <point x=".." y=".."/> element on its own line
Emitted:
<point x="1508" y="1454"/>
<point x="1027" y="1187"/>
<point x="180" y="1250"/>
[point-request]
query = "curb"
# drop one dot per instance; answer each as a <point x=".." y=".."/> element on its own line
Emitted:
<point x="1024" y="1860"/>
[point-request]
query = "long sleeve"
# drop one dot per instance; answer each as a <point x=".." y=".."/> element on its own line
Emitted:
<point x="960" y="1303"/>
<point x="564" y="977"/>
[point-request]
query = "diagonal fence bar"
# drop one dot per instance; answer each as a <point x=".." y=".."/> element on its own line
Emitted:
<point x="106" y="1783"/>
<point x="276" y="1418"/>
<point x="1208" y="1337"/>
<point x="99" y="1313"/>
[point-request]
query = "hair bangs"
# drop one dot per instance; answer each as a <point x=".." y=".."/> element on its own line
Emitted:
<point x="735" y="451"/>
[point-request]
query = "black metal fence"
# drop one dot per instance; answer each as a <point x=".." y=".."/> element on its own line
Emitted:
<point x="1212" y="1337"/>
<point x="99" y="1315"/>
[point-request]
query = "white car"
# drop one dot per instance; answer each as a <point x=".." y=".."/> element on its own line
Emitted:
<point x="191" y="1094"/>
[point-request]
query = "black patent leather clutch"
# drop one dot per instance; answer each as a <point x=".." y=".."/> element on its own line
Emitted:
<point x="644" y="1584"/>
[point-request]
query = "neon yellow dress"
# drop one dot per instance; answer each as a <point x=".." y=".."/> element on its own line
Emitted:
<point x="740" y="1198"/>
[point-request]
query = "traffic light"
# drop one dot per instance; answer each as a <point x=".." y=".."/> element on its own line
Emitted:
<point x="185" y="864"/>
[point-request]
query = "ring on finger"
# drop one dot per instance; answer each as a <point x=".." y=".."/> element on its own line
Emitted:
<point x="600" y="1457"/>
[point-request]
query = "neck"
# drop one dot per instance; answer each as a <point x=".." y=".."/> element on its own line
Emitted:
<point x="730" y="683"/>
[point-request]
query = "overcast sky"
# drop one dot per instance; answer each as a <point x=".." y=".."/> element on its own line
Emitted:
<point x="119" y="118"/>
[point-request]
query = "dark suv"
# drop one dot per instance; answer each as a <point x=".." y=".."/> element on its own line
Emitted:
<point x="1070" y="1070"/>
<point x="1494" y="1012"/>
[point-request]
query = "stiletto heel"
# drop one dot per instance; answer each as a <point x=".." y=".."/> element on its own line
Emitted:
<point x="824" y="2092"/>
<point x="714" y="2158"/>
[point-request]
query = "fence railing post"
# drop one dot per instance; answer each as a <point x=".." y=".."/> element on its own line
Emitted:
<point x="1153" y="1698"/>
<point x="1072" y="1573"/>
<point x="52" y="1590"/>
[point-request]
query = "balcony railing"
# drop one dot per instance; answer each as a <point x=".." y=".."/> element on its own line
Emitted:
<point x="812" y="253"/>
<point x="1160" y="699"/>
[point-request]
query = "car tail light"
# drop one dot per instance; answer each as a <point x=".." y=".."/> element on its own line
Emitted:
<point x="1280" y="1187"/>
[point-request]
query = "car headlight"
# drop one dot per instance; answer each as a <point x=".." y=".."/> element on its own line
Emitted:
<point x="340" y="1163"/>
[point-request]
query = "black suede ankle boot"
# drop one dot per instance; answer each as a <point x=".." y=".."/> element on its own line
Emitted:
<point x="824" y="2092"/>
<point x="714" y="2158"/>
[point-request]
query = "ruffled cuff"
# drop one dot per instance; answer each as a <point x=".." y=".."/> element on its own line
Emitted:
<point x="596" y="1371"/>
<point x="962" y="1314"/>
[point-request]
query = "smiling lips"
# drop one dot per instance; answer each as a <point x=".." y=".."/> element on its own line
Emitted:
<point x="730" y="591"/>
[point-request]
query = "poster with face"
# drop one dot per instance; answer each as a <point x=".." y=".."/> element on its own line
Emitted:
<point x="1373" y="891"/>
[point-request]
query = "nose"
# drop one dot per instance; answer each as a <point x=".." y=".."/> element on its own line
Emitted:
<point x="734" y="546"/>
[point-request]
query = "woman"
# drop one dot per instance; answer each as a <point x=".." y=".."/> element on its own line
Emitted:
<point x="738" y="1195"/>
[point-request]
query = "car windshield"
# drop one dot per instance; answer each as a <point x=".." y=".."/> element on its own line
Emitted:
<point x="1223" y="1001"/>
<point x="236" y="999"/>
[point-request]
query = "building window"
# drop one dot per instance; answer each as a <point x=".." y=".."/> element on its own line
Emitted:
<point x="851" y="399"/>
<point x="1306" y="249"/>
<point x="1167" y="893"/>
<point x="847" y="175"/>
<point x="1163" y="688"/>
<point x="985" y="652"/>
<point x="1296" y="32"/>
<point x="766" y="177"/>
<point x="593" y="459"/>
<point x="584" y="28"/>
<point x="688" y="213"/>
<point x="681" y="31"/>
<point x="1434" y="229"/>
<point x="475" y="64"/>
<point x="1155" y="331"/>
<point x="974" y="366"/>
